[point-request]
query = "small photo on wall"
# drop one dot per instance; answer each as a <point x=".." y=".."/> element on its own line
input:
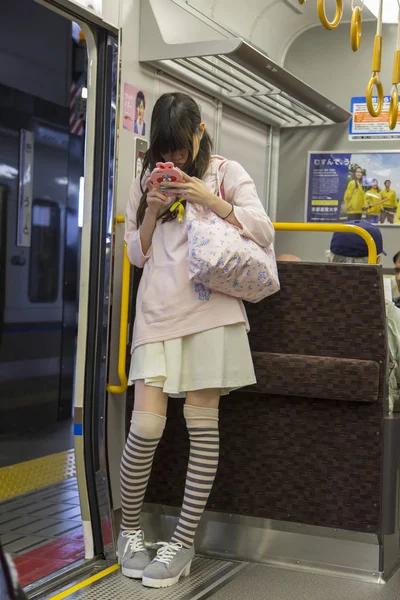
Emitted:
<point x="345" y="187"/>
<point x="134" y="110"/>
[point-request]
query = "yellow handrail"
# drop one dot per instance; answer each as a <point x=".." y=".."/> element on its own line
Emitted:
<point x="123" y="324"/>
<point x="126" y="272"/>
<point x="333" y="227"/>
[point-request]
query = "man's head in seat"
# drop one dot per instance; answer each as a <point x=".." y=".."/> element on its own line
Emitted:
<point x="352" y="248"/>
<point x="288" y="258"/>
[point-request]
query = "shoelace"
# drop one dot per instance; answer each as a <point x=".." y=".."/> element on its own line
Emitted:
<point x="134" y="542"/>
<point x="167" y="552"/>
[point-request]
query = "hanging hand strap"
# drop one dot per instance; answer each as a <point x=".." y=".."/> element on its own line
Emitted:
<point x="376" y="69"/>
<point x="394" y="97"/>
<point x="356" y="25"/>
<point x="336" y="19"/>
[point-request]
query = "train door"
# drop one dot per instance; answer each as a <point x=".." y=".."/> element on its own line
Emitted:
<point x="57" y="153"/>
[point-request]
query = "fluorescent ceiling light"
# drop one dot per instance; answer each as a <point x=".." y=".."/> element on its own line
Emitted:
<point x="390" y="9"/>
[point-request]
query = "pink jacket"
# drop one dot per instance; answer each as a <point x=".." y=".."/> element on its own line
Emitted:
<point x="168" y="304"/>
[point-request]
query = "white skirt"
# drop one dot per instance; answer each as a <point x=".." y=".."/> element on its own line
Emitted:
<point x="217" y="358"/>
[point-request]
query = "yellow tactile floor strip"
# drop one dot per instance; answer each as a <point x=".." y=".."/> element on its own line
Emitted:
<point x="35" y="474"/>
<point x="79" y="586"/>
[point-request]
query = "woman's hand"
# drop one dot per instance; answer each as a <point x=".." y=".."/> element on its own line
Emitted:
<point x="193" y="189"/>
<point x="156" y="200"/>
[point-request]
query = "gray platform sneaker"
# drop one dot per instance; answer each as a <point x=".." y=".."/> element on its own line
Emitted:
<point x="171" y="563"/>
<point x="132" y="554"/>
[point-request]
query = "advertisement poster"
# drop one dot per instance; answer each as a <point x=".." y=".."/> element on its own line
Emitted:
<point x="134" y="110"/>
<point x="350" y="186"/>
<point x="365" y="128"/>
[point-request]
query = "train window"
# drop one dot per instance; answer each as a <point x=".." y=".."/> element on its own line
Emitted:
<point x="44" y="252"/>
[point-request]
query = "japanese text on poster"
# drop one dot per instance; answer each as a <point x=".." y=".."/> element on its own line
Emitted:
<point x="348" y="187"/>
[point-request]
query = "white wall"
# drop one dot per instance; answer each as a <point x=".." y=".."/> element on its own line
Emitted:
<point x="325" y="61"/>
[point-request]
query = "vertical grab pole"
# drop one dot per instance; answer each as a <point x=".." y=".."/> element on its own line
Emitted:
<point x="123" y="325"/>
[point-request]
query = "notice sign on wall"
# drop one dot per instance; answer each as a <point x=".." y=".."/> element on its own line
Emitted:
<point x="365" y="128"/>
<point x="347" y="187"/>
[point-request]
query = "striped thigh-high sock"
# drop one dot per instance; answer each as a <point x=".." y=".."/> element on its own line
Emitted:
<point x="136" y="463"/>
<point x="202" y="424"/>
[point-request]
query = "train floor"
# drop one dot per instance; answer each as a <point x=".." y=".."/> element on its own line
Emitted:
<point x="40" y="526"/>
<point x="226" y="580"/>
<point x="40" y="518"/>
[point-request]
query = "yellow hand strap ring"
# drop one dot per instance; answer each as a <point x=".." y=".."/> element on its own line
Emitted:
<point x="375" y="80"/>
<point x="374" y="112"/>
<point x="323" y="18"/>
<point x="394" y="99"/>
<point x="394" y="107"/>
<point x="355" y="28"/>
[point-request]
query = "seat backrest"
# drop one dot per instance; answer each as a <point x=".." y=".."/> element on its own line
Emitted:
<point x="308" y="448"/>
<point x="323" y="335"/>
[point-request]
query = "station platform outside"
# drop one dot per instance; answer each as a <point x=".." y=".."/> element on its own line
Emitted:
<point x="40" y="518"/>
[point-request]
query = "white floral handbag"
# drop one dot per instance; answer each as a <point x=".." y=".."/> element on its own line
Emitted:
<point x="223" y="260"/>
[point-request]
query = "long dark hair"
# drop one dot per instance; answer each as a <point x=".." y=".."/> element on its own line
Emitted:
<point x="359" y="184"/>
<point x="175" y="120"/>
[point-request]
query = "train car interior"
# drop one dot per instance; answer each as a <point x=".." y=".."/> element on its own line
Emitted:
<point x="306" y="501"/>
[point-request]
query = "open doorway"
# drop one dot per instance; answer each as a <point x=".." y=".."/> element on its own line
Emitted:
<point x="43" y="91"/>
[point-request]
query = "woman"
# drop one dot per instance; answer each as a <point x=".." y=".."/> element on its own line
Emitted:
<point x="389" y="206"/>
<point x="185" y="342"/>
<point x="373" y="202"/>
<point x="354" y="196"/>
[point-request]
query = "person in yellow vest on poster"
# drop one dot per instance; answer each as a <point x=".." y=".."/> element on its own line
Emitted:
<point x="373" y="202"/>
<point x="354" y="196"/>
<point x="389" y="207"/>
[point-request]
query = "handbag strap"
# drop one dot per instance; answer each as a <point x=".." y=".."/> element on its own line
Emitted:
<point x="220" y="182"/>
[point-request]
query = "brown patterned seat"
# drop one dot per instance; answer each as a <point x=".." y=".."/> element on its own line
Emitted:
<point x="323" y="377"/>
<point x="306" y="443"/>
